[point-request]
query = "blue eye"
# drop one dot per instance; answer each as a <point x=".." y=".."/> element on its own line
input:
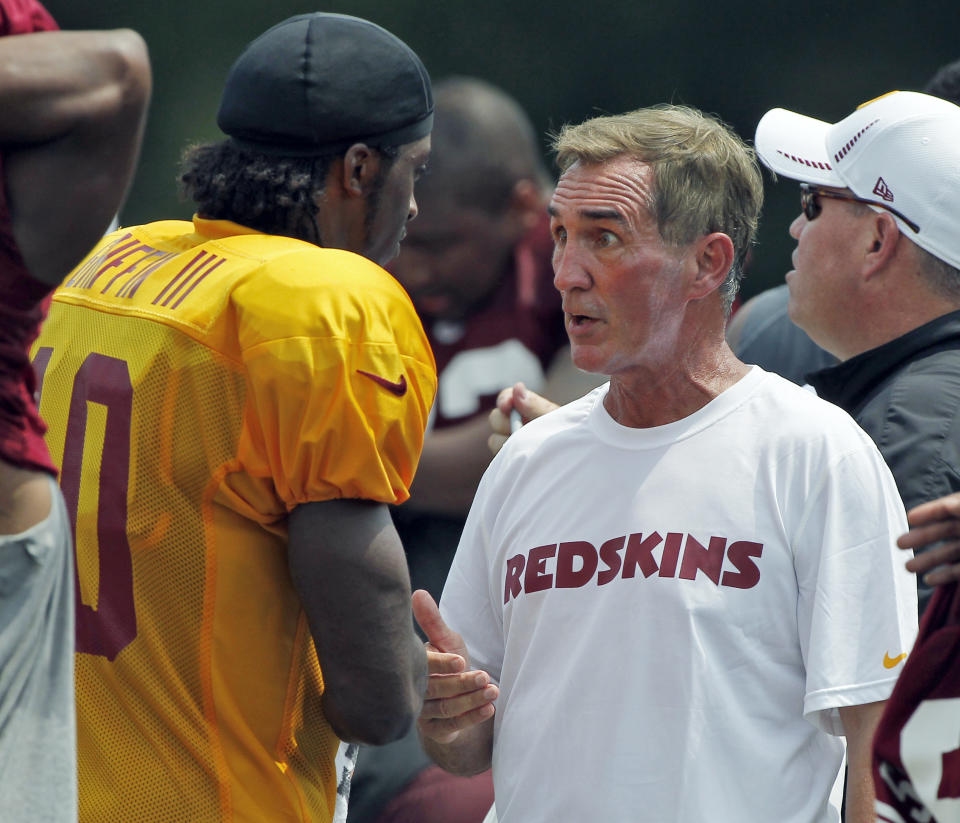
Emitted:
<point x="607" y="238"/>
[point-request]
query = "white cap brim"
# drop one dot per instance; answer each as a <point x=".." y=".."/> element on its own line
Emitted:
<point x="795" y="146"/>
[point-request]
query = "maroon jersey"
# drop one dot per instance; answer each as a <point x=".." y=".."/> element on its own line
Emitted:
<point x="513" y="337"/>
<point x="24" y="17"/>
<point x="916" y="751"/>
<point x="21" y="430"/>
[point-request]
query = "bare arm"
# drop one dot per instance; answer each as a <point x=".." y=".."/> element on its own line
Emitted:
<point x="860" y="724"/>
<point x="72" y="107"/>
<point x="456" y="723"/>
<point x="72" y="112"/>
<point x="451" y="465"/>
<point x="350" y="571"/>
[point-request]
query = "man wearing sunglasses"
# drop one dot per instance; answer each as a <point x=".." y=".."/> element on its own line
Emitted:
<point x="875" y="277"/>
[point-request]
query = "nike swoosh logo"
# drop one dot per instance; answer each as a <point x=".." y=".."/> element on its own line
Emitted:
<point x="399" y="388"/>
<point x="889" y="662"/>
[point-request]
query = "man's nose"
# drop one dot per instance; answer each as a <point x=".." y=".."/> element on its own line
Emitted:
<point x="570" y="270"/>
<point x="796" y="227"/>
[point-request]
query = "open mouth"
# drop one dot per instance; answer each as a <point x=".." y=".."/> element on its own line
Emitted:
<point x="580" y="323"/>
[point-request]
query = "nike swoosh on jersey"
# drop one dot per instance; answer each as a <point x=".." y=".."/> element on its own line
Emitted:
<point x="889" y="662"/>
<point x="399" y="388"/>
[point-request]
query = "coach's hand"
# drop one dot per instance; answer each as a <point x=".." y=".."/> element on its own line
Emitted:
<point x="517" y="398"/>
<point x="457" y="697"/>
<point x="933" y="522"/>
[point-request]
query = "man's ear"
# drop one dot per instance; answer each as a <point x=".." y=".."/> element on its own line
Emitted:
<point x="361" y="166"/>
<point x="714" y="256"/>
<point x="882" y="243"/>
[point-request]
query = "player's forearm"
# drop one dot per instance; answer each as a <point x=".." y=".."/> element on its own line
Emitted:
<point x="469" y="753"/>
<point x="348" y="567"/>
<point x="860" y="723"/>
<point x="381" y="705"/>
<point x="374" y="665"/>
<point x="860" y="792"/>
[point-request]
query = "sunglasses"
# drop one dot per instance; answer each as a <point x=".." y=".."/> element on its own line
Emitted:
<point x="811" y="207"/>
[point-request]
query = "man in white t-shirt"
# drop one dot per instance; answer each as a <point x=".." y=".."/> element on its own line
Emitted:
<point x="678" y="597"/>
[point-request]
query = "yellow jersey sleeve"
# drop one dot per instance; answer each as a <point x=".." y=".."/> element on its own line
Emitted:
<point x="340" y="381"/>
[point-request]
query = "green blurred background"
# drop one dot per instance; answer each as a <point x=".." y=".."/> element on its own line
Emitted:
<point x="563" y="61"/>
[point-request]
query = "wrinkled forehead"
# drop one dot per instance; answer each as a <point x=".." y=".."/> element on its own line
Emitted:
<point x="623" y="184"/>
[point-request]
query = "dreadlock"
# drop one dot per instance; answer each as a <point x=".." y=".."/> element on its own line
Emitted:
<point x="275" y="195"/>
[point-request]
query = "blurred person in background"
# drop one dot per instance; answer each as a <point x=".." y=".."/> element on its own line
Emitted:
<point x="72" y="112"/>
<point x="945" y="82"/>
<point x="237" y="400"/>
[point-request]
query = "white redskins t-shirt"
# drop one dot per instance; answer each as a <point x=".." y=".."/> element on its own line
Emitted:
<point x="674" y="614"/>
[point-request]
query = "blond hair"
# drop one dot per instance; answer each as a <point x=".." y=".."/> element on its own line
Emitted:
<point x="705" y="177"/>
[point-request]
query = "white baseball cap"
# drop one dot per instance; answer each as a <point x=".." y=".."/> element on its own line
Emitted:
<point x="901" y="150"/>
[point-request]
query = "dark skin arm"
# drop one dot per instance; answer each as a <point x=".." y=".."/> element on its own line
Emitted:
<point x="72" y="113"/>
<point x="931" y="523"/>
<point x="350" y="572"/>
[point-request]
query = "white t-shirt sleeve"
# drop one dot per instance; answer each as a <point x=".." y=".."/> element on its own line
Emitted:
<point x="469" y="603"/>
<point x="857" y="604"/>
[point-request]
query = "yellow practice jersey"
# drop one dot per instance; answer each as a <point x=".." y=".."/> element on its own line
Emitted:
<point x="200" y="381"/>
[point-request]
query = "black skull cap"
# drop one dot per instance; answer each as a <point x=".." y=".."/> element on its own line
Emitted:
<point x="317" y="83"/>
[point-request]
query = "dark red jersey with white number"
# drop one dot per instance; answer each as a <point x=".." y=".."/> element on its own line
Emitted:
<point x="916" y="753"/>
<point x="513" y="337"/>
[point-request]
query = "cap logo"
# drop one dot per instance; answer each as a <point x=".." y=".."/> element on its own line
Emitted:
<point x="852" y="142"/>
<point x="883" y="190"/>
<point x="814" y="164"/>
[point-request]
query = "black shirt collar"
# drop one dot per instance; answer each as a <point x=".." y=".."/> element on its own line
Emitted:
<point x="848" y="383"/>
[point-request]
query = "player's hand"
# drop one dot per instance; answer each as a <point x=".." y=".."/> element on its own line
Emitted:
<point x="517" y="398"/>
<point x="933" y="522"/>
<point x="457" y="697"/>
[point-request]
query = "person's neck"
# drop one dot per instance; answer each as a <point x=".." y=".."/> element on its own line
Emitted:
<point x="895" y="320"/>
<point x="662" y="393"/>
